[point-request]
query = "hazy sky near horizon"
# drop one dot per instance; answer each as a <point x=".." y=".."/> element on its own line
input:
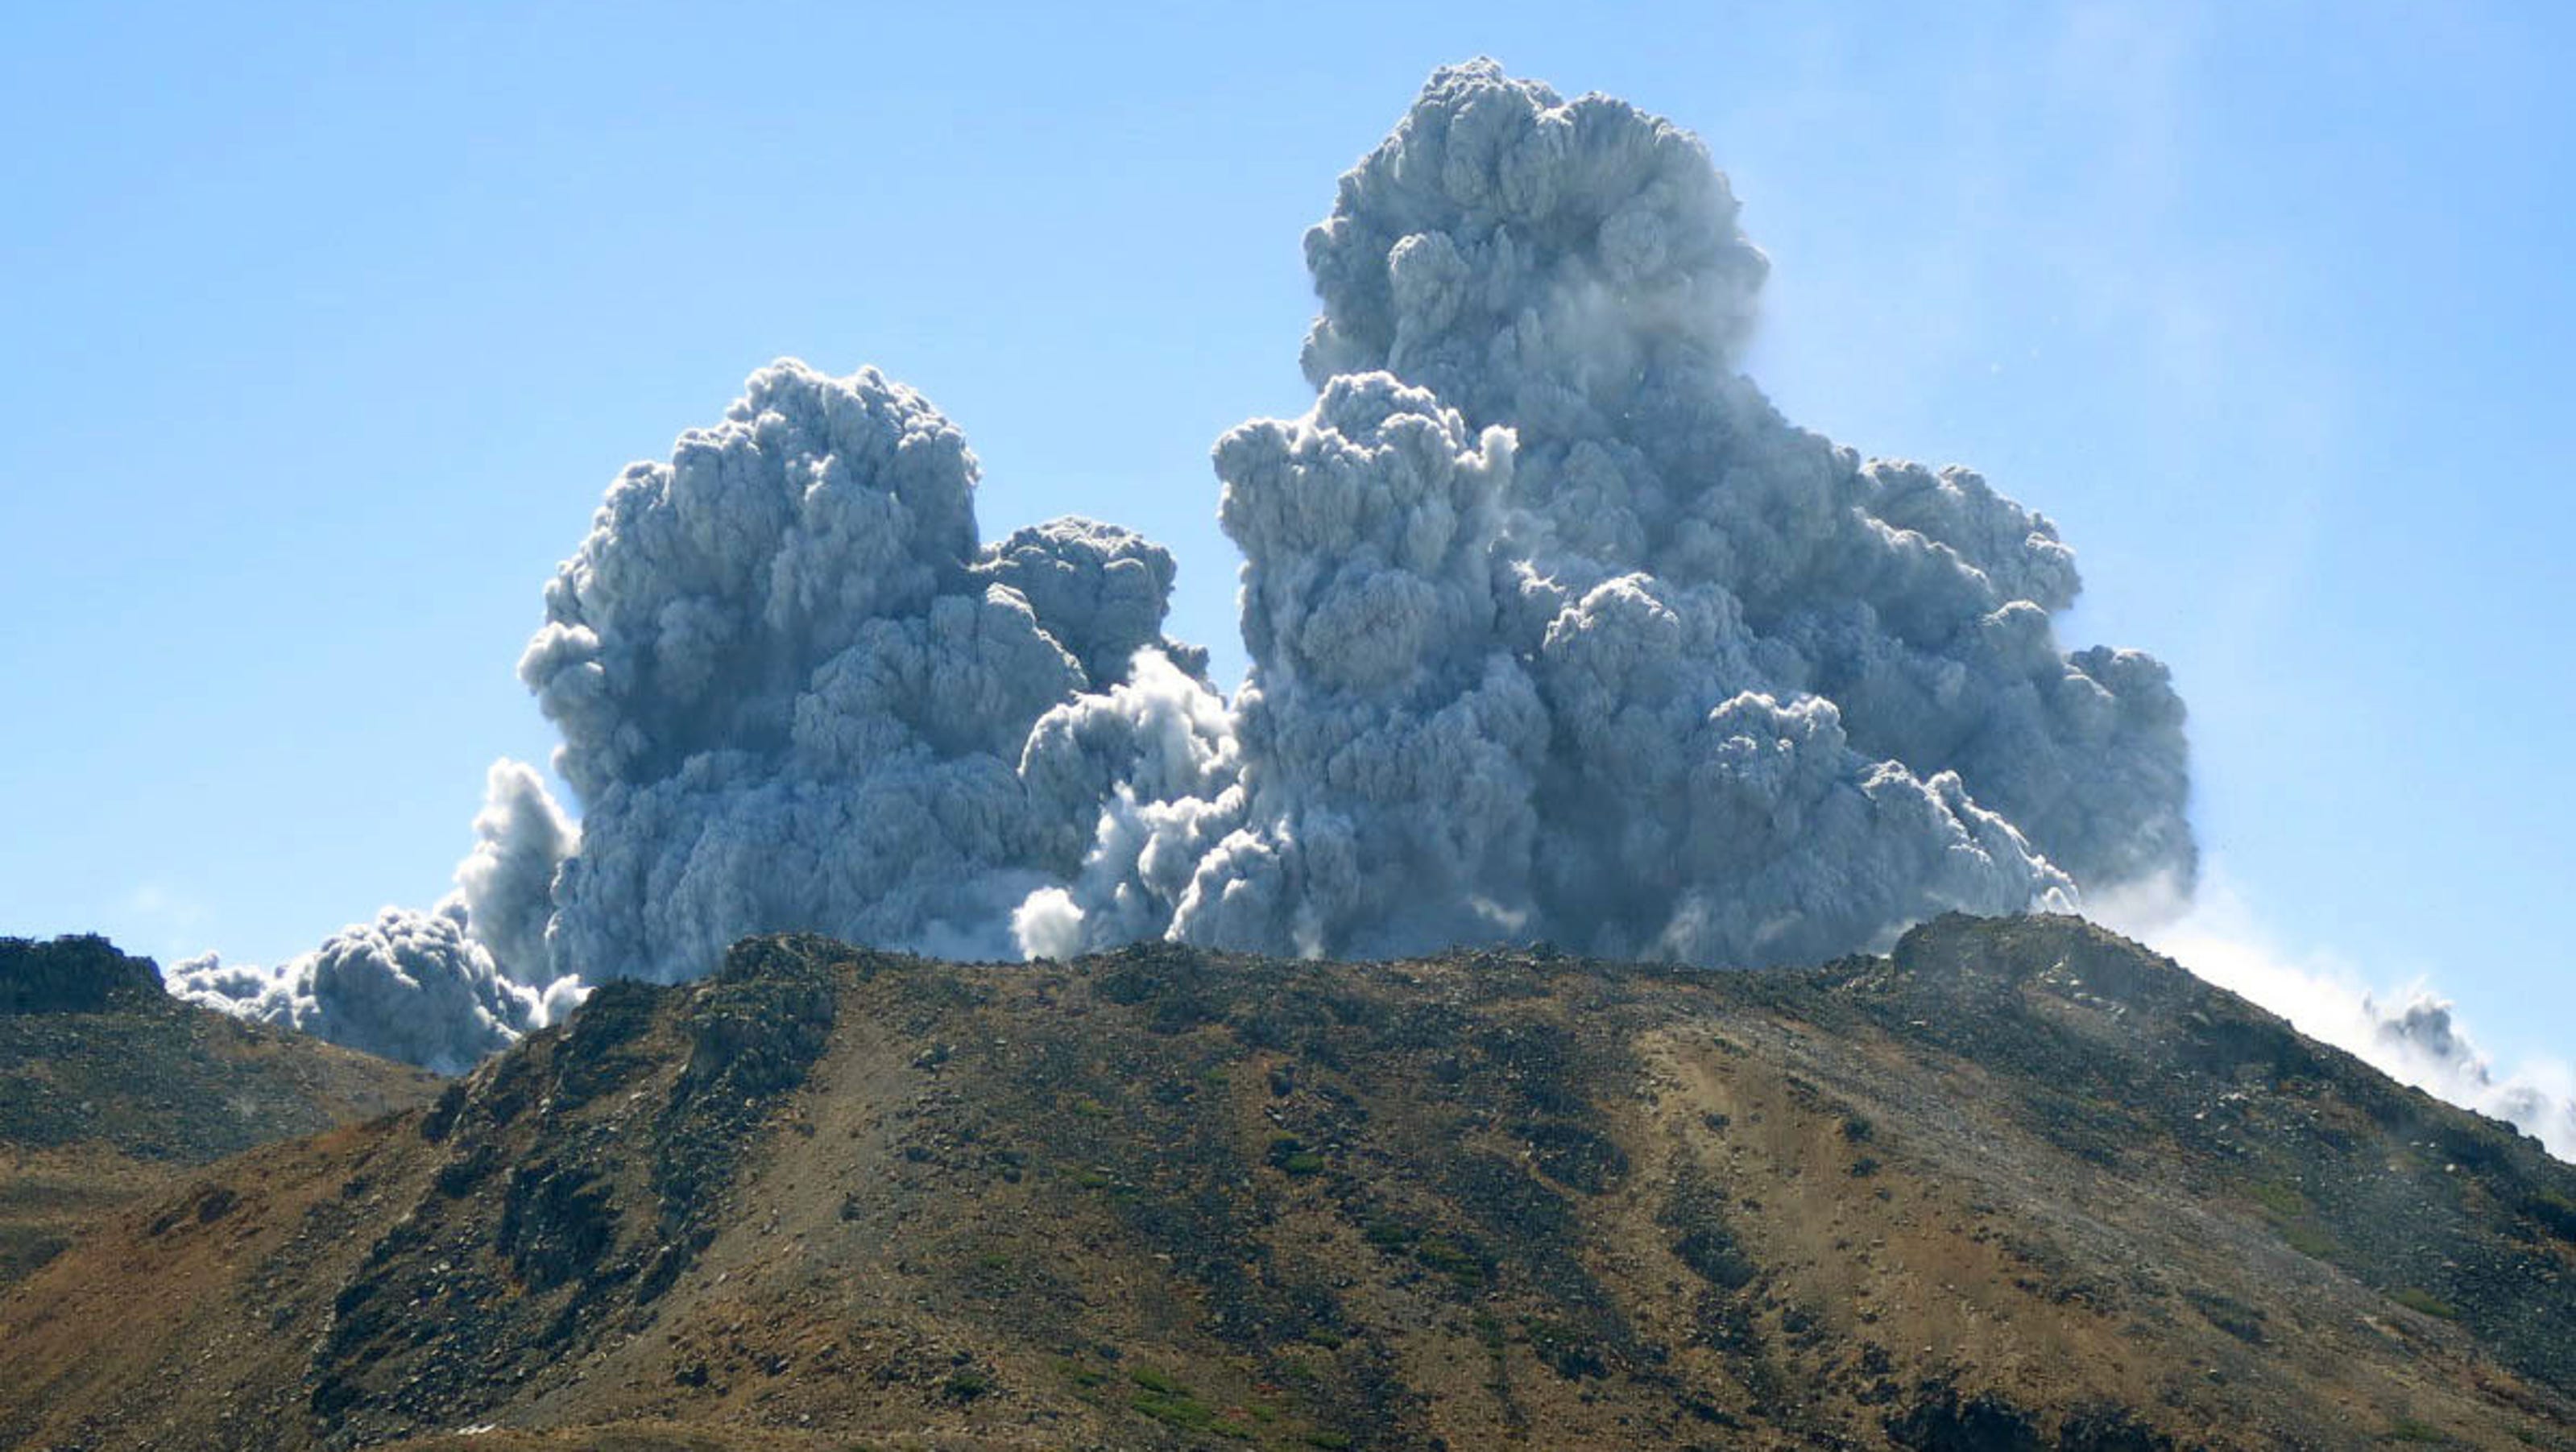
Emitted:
<point x="328" y="327"/>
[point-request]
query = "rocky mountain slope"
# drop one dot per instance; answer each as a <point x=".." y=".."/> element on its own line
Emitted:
<point x="111" y="1090"/>
<point x="2020" y="1185"/>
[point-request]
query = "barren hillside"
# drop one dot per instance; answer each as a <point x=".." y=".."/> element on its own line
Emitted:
<point x="111" y="1090"/>
<point x="2021" y="1185"/>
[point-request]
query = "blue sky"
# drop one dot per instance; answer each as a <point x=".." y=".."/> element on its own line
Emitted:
<point x="327" y="328"/>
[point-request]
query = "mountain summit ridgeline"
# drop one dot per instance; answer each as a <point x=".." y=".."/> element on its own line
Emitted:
<point x="111" y="1090"/>
<point x="2021" y="1184"/>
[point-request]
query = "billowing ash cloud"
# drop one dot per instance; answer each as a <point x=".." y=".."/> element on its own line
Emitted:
<point x="794" y="690"/>
<point x="441" y="988"/>
<point x="506" y="887"/>
<point x="409" y="985"/>
<point x="1557" y="631"/>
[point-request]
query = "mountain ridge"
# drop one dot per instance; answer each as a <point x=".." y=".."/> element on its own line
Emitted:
<point x="111" y="1090"/>
<point x="2018" y="1184"/>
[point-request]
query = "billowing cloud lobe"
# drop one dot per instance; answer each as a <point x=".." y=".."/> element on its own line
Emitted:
<point x="1557" y="631"/>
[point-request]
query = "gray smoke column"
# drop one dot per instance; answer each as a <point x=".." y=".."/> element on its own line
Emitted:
<point x="1559" y="630"/>
<point x="794" y="689"/>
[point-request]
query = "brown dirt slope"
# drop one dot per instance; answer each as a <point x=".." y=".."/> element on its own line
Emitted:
<point x="2020" y="1185"/>
<point x="110" y="1090"/>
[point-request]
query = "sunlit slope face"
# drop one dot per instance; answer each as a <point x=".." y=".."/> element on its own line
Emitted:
<point x="2019" y="1176"/>
<point x="111" y="1091"/>
<point x="1557" y="631"/>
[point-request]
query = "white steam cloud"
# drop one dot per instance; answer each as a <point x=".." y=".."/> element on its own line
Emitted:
<point x="2407" y="1032"/>
<point x="1558" y="631"/>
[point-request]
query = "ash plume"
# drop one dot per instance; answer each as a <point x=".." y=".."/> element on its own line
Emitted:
<point x="794" y="690"/>
<point x="1558" y="631"/>
<point x="506" y="887"/>
<point x="409" y="985"/>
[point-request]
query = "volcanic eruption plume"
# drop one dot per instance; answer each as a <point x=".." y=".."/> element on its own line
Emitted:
<point x="1557" y="631"/>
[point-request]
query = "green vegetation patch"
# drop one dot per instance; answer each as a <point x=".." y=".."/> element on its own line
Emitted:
<point x="2280" y="1200"/>
<point x="2415" y="1298"/>
<point x="1288" y="1153"/>
<point x="2288" y="1212"/>
<point x="1390" y="1234"/>
<point x="1161" y="1396"/>
<point x="1444" y="1256"/>
<point x="2309" y="1241"/>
